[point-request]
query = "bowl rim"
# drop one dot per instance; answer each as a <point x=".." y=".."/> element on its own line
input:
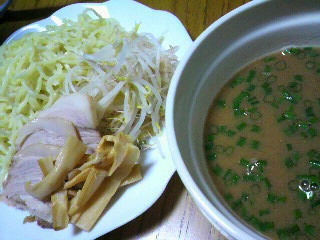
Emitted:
<point x="221" y="222"/>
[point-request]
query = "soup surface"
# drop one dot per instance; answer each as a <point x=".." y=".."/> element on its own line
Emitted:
<point x="262" y="144"/>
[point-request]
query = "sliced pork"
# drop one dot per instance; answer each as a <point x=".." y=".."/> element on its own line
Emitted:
<point x="89" y="137"/>
<point x="74" y="115"/>
<point x="55" y="125"/>
<point x="25" y="168"/>
<point x="77" y="108"/>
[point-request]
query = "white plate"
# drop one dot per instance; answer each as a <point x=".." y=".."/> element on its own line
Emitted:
<point x="133" y="200"/>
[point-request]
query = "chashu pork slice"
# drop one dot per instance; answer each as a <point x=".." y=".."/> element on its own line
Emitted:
<point x="24" y="168"/>
<point x="88" y="136"/>
<point x="77" y="108"/>
<point x="56" y="126"/>
<point x="74" y="114"/>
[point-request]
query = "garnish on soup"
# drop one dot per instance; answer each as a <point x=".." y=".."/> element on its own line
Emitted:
<point x="262" y="143"/>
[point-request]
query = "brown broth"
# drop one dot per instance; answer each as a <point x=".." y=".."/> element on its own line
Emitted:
<point x="280" y="95"/>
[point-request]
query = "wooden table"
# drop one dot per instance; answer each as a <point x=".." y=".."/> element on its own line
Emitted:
<point x="174" y="216"/>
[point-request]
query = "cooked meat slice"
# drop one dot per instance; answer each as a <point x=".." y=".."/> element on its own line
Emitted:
<point x="44" y="137"/>
<point x="25" y="168"/>
<point x="89" y="137"/>
<point x="75" y="115"/>
<point x="56" y="125"/>
<point x="77" y="108"/>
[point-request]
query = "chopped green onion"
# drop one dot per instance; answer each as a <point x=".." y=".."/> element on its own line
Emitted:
<point x="267" y="69"/>
<point x="297" y="213"/>
<point x="268" y="90"/>
<point x="294" y="86"/>
<point x="255" y="144"/>
<point x="264" y="212"/>
<point x="281" y="118"/>
<point x="272" y="79"/>
<point x="310" y="178"/>
<point x="266" y="87"/>
<point x="221" y="103"/>
<point x="242" y="126"/>
<point x="250" y="110"/>
<point x="251" y="75"/>
<point x="262" y="162"/>
<point x="274" y="105"/>
<point x="222" y="129"/>
<point x="293" y="51"/>
<point x="315" y="204"/>
<point x="210" y="138"/>
<point x="266" y="226"/>
<point x="236" y="105"/>
<point x="276" y="199"/>
<point x="312" y="132"/>
<point x="314" y="120"/>
<point x="239" y="98"/>
<point x="229" y="150"/>
<point x="295" y="156"/>
<point x="314" y="164"/>
<point x="217" y="170"/>
<point x="309" y="229"/>
<point x="251" y="88"/>
<point x="237" y="81"/>
<point x="212" y="157"/>
<point x="241" y="142"/>
<point x="209" y="147"/>
<point x="244" y="196"/>
<point x="230" y="177"/>
<point x="228" y="197"/>
<point x="214" y="129"/>
<point x="219" y="149"/>
<point x="237" y="204"/>
<point x="253" y="100"/>
<point x="244" y="162"/>
<point x="309" y="112"/>
<point x="291" y="129"/>
<point x="239" y="112"/>
<point x="289" y="162"/>
<point x="256" y="129"/>
<point x="231" y="133"/>
<point x="298" y="78"/>
<point x="304" y="134"/>
<point x="293" y="98"/>
<point x="288" y="232"/>
<point x="267" y="182"/>
<point x="312" y="153"/>
<point x="252" y="178"/>
<point x="280" y="65"/>
<point x="255" y="115"/>
<point x="270" y="59"/>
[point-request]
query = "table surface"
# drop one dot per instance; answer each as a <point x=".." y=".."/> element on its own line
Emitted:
<point x="174" y="216"/>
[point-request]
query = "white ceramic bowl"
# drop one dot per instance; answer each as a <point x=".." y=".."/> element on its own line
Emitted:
<point x="253" y="30"/>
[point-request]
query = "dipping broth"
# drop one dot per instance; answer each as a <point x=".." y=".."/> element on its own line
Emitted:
<point x="262" y="144"/>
